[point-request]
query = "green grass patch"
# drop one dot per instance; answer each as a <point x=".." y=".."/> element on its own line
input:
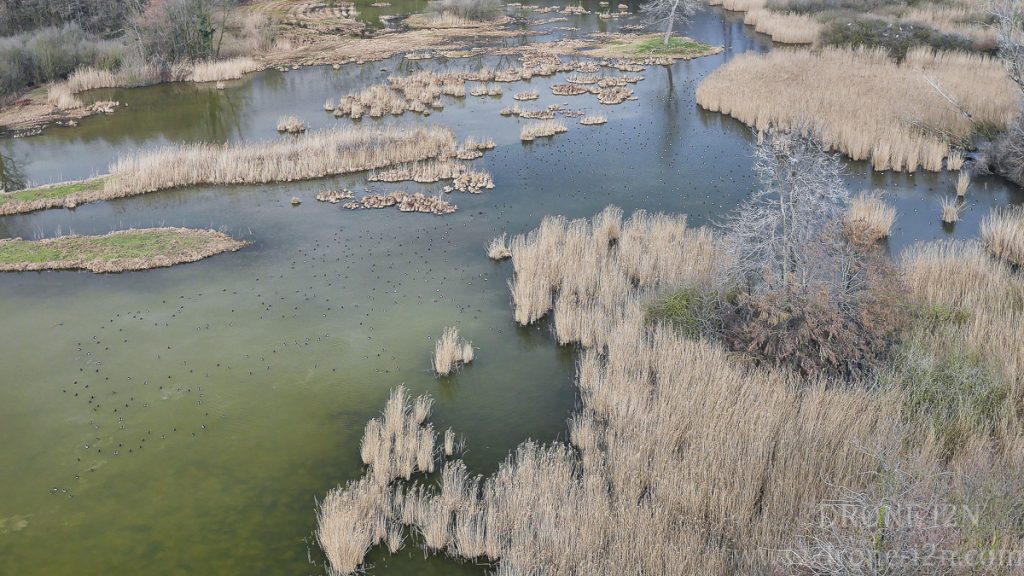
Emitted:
<point x="114" y="252"/>
<point x="54" y="192"/>
<point x="951" y="389"/>
<point x="652" y="45"/>
<point x="687" y="310"/>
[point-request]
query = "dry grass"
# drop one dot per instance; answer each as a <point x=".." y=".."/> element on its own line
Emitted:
<point x="593" y="120"/>
<point x="784" y="27"/>
<point x="463" y="178"/>
<point x="950" y="209"/>
<point x="451" y="351"/>
<point x="955" y="160"/>
<point x="963" y="183"/>
<point x="416" y="202"/>
<point x="498" y="248"/>
<point x="527" y="95"/>
<point x="868" y="219"/>
<point x="864" y="104"/>
<point x="144" y="73"/>
<point x="1003" y="233"/>
<point x="121" y="251"/>
<point x="219" y="70"/>
<point x="542" y="129"/>
<point x="60" y="96"/>
<point x="314" y="155"/>
<point x="291" y="124"/>
<point x="683" y="461"/>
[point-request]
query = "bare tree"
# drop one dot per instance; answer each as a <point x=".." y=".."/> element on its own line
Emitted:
<point x="670" y="13"/>
<point x="798" y="293"/>
<point x="1009" y="15"/>
<point x="1008" y="152"/>
<point x="11" y="177"/>
<point x="781" y="237"/>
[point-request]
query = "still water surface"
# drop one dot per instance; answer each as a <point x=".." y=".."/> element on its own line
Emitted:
<point x="183" y="421"/>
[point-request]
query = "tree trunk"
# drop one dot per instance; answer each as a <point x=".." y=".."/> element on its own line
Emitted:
<point x="670" y="22"/>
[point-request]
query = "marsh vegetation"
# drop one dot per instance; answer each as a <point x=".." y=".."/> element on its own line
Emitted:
<point x="120" y="251"/>
<point x="751" y="367"/>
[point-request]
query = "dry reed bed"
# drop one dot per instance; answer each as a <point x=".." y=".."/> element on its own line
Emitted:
<point x="542" y="129"/>
<point x="464" y="179"/>
<point x="862" y="103"/>
<point x="451" y="352"/>
<point x="121" y="251"/>
<point x="683" y="461"/>
<point x="784" y="27"/>
<point x="208" y="71"/>
<point x="313" y="155"/>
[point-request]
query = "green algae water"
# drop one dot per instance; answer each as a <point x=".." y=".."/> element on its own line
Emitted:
<point x="186" y="420"/>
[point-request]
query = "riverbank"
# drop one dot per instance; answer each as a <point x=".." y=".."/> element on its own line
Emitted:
<point x="121" y="251"/>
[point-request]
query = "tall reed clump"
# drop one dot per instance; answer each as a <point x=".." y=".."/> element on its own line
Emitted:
<point x="1003" y="234"/>
<point x="864" y="104"/>
<point x="218" y="70"/>
<point x="591" y="273"/>
<point x="963" y="183"/>
<point x="291" y="124"/>
<point x="498" y="248"/>
<point x="451" y="351"/>
<point x="358" y="516"/>
<point x="314" y="155"/>
<point x="950" y="209"/>
<point x="60" y="96"/>
<point x="869" y="218"/>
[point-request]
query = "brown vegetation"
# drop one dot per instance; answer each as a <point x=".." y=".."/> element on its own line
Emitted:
<point x="864" y="104"/>
<point x="451" y="352"/>
<point x="542" y="129"/>
<point x="416" y="202"/>
<point x="868" y="219"/>
<point x="1003" y="234"/>
<point x="950" y="209"/>
<point x="802" y="465"/>
<point x="291" y="125"/>
<point x="314" y="155"/>
<point x="498" y="248"/>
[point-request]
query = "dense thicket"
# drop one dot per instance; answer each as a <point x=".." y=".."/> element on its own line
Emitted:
<point x="43" y="41"/>
<point x="52" y="53"/>
<point x="104" y="17"/>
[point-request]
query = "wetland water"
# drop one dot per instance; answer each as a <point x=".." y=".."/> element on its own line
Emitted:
<point x="183" y="420"/>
